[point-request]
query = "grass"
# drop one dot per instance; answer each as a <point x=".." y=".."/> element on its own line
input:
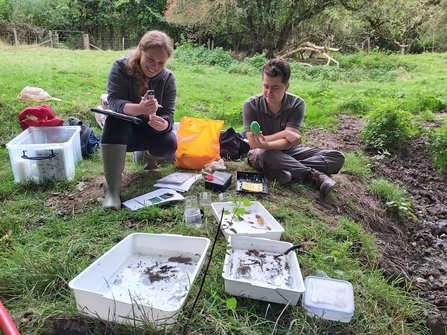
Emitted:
<point x="357" y="164"/>
<point x="395" y="196"/>
<point x="42" y="249"/>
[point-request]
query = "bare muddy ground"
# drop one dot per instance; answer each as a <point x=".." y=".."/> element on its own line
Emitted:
<point x="411" y="249"/>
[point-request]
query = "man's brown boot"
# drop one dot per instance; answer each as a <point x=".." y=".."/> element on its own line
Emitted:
<point x="321" y="181"/>
<point x="280" y="176"/>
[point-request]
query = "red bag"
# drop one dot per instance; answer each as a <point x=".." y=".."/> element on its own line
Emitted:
<point x="45" y="117"/>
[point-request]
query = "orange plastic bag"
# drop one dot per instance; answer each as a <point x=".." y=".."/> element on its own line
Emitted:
<point x="197" y="142"/>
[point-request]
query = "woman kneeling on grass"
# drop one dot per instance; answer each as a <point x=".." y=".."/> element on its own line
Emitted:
<point x="128" y="82"/>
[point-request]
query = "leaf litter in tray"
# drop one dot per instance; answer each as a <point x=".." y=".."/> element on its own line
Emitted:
<point x="261" y="267"/>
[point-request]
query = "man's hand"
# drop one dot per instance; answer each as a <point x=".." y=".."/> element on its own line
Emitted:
<point x="293" y="137"/>
<point x="258" y="141"/>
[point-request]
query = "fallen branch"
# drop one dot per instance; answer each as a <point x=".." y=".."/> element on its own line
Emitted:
<point x="307" y="46"/>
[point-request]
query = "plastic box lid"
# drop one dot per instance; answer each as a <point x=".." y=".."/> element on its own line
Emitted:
<point x="328" y="298"/>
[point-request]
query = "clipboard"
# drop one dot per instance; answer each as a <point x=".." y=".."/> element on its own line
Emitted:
<point x="121" y="116"/>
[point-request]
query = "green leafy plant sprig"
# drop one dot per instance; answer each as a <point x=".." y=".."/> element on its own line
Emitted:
<point x="238" y="211"/>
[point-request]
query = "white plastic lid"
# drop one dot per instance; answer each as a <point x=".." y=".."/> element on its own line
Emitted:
<point x="326" y="295"/>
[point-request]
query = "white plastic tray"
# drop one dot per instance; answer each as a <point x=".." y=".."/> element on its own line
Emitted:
<point x="256" y="268"/>
<point x="144" y="278"/>
<point x="256" y="222"/>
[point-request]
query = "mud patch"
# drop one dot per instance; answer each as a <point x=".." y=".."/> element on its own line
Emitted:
<point x="414" y="250"/>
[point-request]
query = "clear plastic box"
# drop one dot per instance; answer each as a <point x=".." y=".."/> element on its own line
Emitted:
<point x="328" y="298"/>
<point x="45" y="153"/>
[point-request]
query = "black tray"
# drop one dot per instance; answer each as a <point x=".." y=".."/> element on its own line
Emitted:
<point x="251" y="182"/>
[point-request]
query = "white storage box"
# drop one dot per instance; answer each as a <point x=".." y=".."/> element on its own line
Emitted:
<point x="45" y="153"/>
<point x="328" y="298"/>
<point x="144" y="278"/>
<point x="256" y="268"/>
<point x="256" y="221"/>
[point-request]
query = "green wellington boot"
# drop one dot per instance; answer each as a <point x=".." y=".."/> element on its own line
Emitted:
<point x="113" y="158"/>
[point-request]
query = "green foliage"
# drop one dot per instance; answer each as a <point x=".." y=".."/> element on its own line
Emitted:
<point x="5" y="10"/>
<point x="256" y="61"/>
<point x="329" y="73"/>
<point x="249" y="66"/>
<point x="188" y="53"/>
<point x="397" y="21"/>
<point x="376" y="66"/>
<point x="355" y="105"/>
<point x="388" y="128"/>
<point x="102" y="18"/>
<point x="376" y="60"/>
<point x="422" y="101"/>
<point x="232" y="303"/>
<point x="238" y="211"/>
<point x="438" y="147"/>
<point x="395" y="196"/>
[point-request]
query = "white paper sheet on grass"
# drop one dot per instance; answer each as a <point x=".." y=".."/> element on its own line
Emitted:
<point x="183" y="187"/>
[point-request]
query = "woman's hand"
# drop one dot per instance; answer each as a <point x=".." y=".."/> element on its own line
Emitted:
<point x="158" y="123"/>
<point x="148" y="106"/>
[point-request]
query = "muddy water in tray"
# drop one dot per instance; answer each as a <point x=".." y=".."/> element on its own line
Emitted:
<point x="261" y="267"/>
<point x="159" y="281"/>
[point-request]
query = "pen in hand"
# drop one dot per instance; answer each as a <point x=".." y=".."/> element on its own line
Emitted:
<point x="158" y="105"/>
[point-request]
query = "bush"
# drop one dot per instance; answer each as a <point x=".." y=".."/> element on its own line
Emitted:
<point x="328" y="73"/>
<point x="388" y="129"/>
<point x="256" y="62"/>
<point x="375" y="66"/>
<point x="188" y="53"/>
<point x="382" y="61"/>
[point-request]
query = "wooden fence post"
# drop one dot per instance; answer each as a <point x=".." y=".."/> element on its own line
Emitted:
<point x="86" y="41"/>
<point x="50" y="34"/>
<point x="16" y="40"/>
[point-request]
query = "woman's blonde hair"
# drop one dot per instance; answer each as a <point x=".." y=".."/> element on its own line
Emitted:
<point x="151" y="39"/>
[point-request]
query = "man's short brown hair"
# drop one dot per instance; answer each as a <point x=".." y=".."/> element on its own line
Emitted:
<point x="277" y="67"/>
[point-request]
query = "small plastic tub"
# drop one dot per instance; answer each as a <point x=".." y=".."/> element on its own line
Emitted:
<point x="328" y="298"/>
